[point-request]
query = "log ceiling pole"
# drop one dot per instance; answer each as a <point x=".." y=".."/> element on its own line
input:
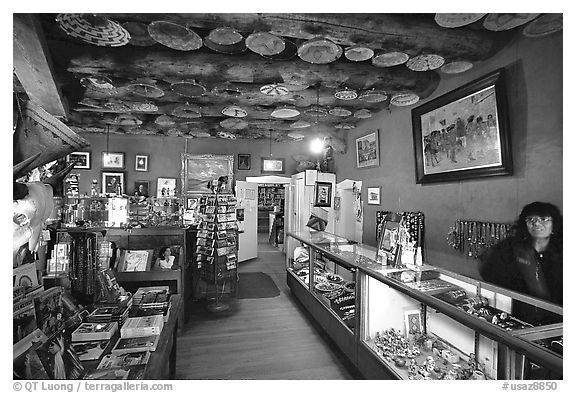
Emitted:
<point x="32" y="65"/>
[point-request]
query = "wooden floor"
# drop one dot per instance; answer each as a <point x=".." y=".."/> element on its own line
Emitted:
<point x="262" y="339"/>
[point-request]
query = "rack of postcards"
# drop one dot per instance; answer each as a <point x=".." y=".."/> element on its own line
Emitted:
<point x="217" y="242"/>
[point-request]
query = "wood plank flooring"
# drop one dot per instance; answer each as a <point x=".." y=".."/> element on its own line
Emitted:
<point x="259" y="339"/>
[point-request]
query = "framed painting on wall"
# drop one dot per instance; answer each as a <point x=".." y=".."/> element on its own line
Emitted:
<point x="141" y="163"/>
<point x="200" y="170"/>
<point x="166" y="187"/>
<point x="373" y="195"/>
<point x="323" y="194"/>
<point x="112" y="160"/>
<point x="463" y="134"/>
<point x="367" y="150"/>
<point x="244" y="162"/>
<point x="142" y="188"/>
<point x="113" y="183"/>
<point x="272" y="165"/>
<point x="81" y="159"/>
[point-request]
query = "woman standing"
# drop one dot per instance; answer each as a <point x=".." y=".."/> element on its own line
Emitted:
<point x="530" y="261"/>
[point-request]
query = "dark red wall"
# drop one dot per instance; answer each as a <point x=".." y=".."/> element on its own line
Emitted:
<point x="534" y="70"/>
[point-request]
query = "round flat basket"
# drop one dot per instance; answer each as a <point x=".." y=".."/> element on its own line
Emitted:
<point x="346" y="94"/>
<point x="373" y="96"/>
<point x="456" y="20"/>
<point x="225" y="135"/>
<point x="341" y="112"/>
<point x="187" y="111"/>
<point x="265" y="44"/>
<point x="290" y="50"/>
<point x="143" y="107"/>
<point x="174" y="36"/>
<point x="200" y="134"/>
<point x="363" y="114"/>
<point x="285" y="112"/>
<point x="345" y="126"/>
<point x="234" y="111"/>
<point x="389" y="59"/>
<point x="319" y="51"/>
<point x="545" y="24"/>
<point x="97" y="82"/>
<point x="425" y="62"/>
<point x="225" y="40"/>
<point x="233" y="124"/>
<point x="456" y="67"/>
<point x="138" y="34"/>
<point x="501" y="22"/>
<point x="145" y="90"/>
<point x="164" y="120"/>
<point x="315" y="110"/>
<point x="296" y="135"/>
<point x="117" y="106"/>
<point x="188" y="89"/>
<point x="127" y="120"/>
<point x="93" y="29"/>
<point x="274" y="90"/>
<point x="404" y="99"/>
<point x="358" y="53"/>
<point x="300" y="124"/>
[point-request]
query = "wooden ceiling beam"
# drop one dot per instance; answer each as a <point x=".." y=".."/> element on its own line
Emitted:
<point x="32" y="65"/>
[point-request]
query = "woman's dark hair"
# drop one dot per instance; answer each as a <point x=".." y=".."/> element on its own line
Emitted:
<point x="162" y="251"/>
<point x="541" y="209"/>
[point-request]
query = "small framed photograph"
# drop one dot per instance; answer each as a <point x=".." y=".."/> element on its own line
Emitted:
<point x="191" y="203"/>
<point x="166" y="187"/>
<point x="112" y="160"/>
<point x="413" y="322"/>
<point x="141" y="163"/>
<point x="142" y="188"/>
<point x="323" y="194"/>
<point x="272" y="165"/>
<point x="373" y="195"/>
<point x="81" y="159"/>
<point x="367" y="150"/>
<point x="244" y="162"/>
<point x="113" y="183"/>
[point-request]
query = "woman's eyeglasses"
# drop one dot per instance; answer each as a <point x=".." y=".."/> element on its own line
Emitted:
<point x="538" y="220"/>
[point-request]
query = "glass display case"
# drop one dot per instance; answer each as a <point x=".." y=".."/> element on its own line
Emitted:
<point x="423" y="322"/>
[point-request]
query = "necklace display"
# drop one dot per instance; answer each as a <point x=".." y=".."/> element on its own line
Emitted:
<point x="472" y="238"/>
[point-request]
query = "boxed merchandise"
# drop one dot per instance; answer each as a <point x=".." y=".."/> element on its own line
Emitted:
<point x="94" y="331"/>
<point x="142" y="326"/>
<point x="136" y="344"/>
<point x="90" y="350"/>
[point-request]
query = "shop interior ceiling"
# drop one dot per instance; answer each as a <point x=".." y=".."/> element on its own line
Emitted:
<point x="249" y="76"/>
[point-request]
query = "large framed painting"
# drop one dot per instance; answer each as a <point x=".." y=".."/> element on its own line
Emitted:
<point x="367" y="154"/>
<point x="464" y="134"/>
<point x="200" y="171"/>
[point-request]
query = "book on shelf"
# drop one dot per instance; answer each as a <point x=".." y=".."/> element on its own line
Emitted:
<point x="90" y="350"/>
<point x="136" y="344"/>
<point x="142" y="326"/>
<point x="114" y="360"/>
<point x="94" y="331"/>
<point x="120" y="373"/>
